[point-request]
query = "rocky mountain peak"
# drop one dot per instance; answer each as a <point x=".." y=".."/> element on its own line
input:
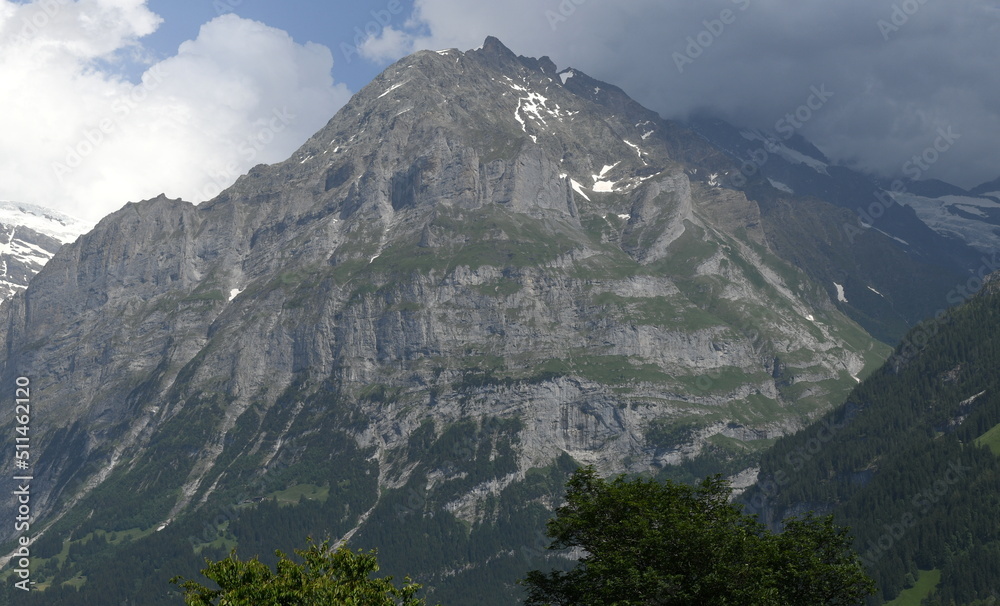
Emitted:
<point x="495" y="49"/>
<point x="475" y="245"/>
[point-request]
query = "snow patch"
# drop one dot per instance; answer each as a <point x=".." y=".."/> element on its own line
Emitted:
<point x="888" y="235"/>
<point x="43" y="220"/>
<point x="600" y="185"/>
<point x="234" y="293"/>
<point x="810" y="318"/>
<point x="950" y="217"/>
<point x="778" y="185"/>
<point x="646" y="135"/>
<point x="637" y="149"/>
<point x="532" y="106"/>
<point x="840" y="293"/>
<point x="391" y="88"/>
<point x="625" y="217"/>
<point x="797" y="157"/>
<point x="566" y="75"/>
<point x="789" y="154"/>
<point x="578" y="189"/>
<point x="876" y="292"/>
<point x="516" y="87"/>
<point x="972" y="210"/>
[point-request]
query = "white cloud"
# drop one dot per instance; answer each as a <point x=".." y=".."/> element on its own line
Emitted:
<point x="389" y="45"/>
<point x="82" y="139"/>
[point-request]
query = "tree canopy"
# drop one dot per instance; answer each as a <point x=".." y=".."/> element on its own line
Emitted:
<point x="326" y="576"/>
<point x="644" y="542"/>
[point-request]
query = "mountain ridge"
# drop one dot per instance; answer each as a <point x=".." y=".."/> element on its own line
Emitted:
<point x="470" y="278"/>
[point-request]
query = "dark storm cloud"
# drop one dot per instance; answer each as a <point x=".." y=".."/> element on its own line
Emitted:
<point x="901" y="70"/>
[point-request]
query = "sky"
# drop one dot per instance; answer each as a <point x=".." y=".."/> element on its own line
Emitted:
<point x="109" y="101"/>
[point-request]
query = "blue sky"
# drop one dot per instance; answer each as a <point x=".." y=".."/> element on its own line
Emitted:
<point x="332" y="24"/>
<point x="109" y="101"/>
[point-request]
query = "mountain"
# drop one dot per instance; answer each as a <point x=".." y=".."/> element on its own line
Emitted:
<point x="958" y="214"/>
<point x="883" y="236"/>
<point x="990" y="188"/>
<point x="910" y="461"/>
<point x="29" y="236"/>
<point x="480" y="273"/>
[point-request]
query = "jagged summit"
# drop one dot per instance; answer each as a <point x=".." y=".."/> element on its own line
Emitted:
<point x="497" y="106"/>
<point x="494" y="51"/>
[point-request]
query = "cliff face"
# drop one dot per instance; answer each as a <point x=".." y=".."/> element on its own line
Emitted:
<point x="474" y="238"/>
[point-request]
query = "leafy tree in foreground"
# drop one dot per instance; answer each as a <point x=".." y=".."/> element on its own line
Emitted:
<point x="325" y="577"/>
<point x="643" y="542"/>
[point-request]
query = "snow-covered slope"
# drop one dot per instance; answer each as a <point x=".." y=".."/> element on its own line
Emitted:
<point x="29" y="236"/>
<point x="973" y="219"/>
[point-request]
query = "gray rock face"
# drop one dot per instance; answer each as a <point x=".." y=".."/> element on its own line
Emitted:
<point x="473" y="235"/>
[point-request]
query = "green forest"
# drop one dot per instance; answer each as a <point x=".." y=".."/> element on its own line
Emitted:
<point x="910" y="462"/>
